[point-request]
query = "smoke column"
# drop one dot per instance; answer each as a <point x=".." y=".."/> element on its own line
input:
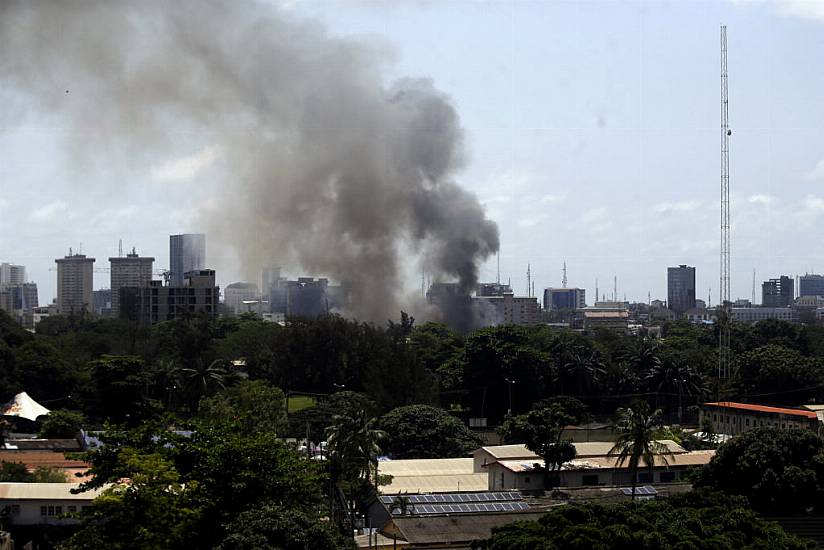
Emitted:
<point x="327" y="167"/>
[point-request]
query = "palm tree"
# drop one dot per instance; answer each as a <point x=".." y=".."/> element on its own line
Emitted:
<point x="642" y="354"/>
<point x="354" y="441"/>
<point x="203" y="379"/>
<point x="168" y="378"/>
<point x="584" y="366"/>
<point x="402" y="504"/>
<point x="675" y="377"/>
<point x="637" y="428"/>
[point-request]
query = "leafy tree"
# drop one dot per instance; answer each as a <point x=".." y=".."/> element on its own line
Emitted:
<point x="155" y="510"/>
<point x="542" y="432"/>
<point x="777" y="470"/>
<point x="46" y="474"/>
<point x="120" y="389"/>
<point x="436" y="344"/>
<point x="254" y="404"/>
<point x="61" y="424"/>
<point x="767" y="368"/>
<point x="637" y="439"/>
<point x="697" y="521"/>
<point x="14" y="471"/>
<point x="276" y="527"/>
<point x="423" y="431"/>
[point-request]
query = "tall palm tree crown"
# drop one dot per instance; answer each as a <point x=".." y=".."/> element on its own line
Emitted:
<point x="637" y="442"/>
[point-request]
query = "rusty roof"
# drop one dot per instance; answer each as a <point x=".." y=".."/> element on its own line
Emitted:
<point x="762" y="408"/>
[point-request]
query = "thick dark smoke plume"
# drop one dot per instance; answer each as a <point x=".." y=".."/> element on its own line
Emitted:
<point x="327" y="168"/>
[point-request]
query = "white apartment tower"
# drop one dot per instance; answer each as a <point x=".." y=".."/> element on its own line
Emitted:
<point x="130" y="270"/>
<point x="12" y="275"/>
<point x="75" y="277"/>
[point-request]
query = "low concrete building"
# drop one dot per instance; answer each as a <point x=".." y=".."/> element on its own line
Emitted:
<point x="732" y="418"/>
<point x="528" y="475"/>
<point x="485" y="456"/>
<point x="755" y="314"/>
<point x="43" y="503"/>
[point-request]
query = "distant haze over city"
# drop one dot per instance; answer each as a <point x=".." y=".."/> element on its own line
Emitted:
<point x="589" y="133"/>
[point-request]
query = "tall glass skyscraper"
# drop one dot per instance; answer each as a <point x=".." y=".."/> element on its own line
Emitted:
<point x="187" y="252"/>
<point x="681" y="288"/>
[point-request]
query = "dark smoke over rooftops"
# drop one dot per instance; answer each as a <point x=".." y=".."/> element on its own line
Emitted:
<point x="328" y="170"/>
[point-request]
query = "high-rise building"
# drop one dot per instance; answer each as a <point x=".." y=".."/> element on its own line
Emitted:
<point x="12" y="275"/>
<point x="129" y="271"/>
<point x="306" y="297"/>
<point x="187" y="252"/>
<point x="75" y="276"/>
<point x="681" y="288"/>
<point x="269" y="278"/>
<point x="237" y="293"/>
<point x="777" y="292"/>
<point x="811" y="285"/>
<point x="155" y="303"/>
<point x="564" y="298"/>
<point x="102" y="300"/>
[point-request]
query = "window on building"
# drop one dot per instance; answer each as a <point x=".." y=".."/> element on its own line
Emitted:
<point x="589" y="479"/>
<point x="44" y="510"/>
<point x="502" y="480"/>
<point x="747" y="422"/>
<point x="644" y="477"/>
<point x="526" y="480"/>
<point x="72" y="509"/>
<point x="667" y="477"/>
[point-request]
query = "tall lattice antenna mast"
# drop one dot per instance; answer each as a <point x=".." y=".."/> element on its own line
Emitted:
<point x="564" y="280"/>
<point x="724" y="293"/>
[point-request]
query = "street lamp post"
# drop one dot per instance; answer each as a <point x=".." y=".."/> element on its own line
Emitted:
<point x="509" y="382"/>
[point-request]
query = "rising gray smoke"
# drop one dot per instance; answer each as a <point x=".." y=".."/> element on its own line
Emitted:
<point x="327" y="168"/>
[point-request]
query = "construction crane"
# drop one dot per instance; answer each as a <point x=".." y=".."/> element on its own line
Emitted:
<point x="724" y="291"/>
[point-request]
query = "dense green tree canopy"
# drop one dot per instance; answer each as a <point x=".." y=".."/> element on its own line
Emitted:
<point x="423" y="431"/>
<point x="694" y="521"/>
<point x="61" y="424"/>
<point x="777" y="470"/>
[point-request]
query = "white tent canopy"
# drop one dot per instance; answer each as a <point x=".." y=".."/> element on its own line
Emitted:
<point x="25" y="407"/>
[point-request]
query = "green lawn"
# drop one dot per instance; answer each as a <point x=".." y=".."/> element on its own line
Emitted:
<point x="299" y="402"/>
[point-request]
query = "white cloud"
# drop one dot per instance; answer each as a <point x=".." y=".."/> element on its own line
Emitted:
<point x="761" y="199"/>
<point x="594" y="214"/>
<point x="3" y="203"/>
<point x="804" y="9"/>
<point x="817" y="173"/>
<point x="813" y="203"/>
<point x="681" y="206"/>
<point x="552" y="198"/>
<point x="47" y="212"/>
<point x="185" y="168"/>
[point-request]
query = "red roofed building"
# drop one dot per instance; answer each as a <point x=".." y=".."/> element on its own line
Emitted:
<point x="732" y="418"/>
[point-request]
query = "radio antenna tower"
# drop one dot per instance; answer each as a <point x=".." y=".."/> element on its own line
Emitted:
<point x="724" y="298"/>
<point x="528" y="280"/>
<point x="564" y="280"/>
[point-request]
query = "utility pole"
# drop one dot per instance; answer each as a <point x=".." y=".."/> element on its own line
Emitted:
<point x="725" y="298"/>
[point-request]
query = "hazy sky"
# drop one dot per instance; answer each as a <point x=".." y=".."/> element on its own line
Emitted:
<point x="593" y="138"/>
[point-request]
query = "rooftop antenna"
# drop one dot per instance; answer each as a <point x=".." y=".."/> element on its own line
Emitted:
<point x="596" y="289"/>
<point x="753" y="287"/>
<point x="80" y="250"/>
<point x="498" y="280"/>
<point x="724" y="298"/>
<point x="564" y="280"/>
<point x="709" y="297"/>
<point x="649" y="298"/>
<point x="120" y="248"/>
<point x="615" y="288"/>
<point x="528" y="279"/>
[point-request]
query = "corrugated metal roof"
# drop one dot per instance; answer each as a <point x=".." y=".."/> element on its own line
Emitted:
<point x="762" y="408"/>
<point x="44" y="491"/>
<point x="582" y="449"/>
<point x="33" y="459"/>
<point x="455" y="529"/>
<point x="507" y="451"/>
<point x="426" y="466"/>
<point x="436" y="475"/>
<point x="693" y="458"/>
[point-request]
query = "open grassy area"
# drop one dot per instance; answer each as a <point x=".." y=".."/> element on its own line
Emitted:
<point x="299" y="402"/>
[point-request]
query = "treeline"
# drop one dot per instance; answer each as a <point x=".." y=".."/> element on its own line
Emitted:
<point x="118" y="371"/>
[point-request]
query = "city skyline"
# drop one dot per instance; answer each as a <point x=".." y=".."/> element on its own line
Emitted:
<point x="609" y="164"/>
